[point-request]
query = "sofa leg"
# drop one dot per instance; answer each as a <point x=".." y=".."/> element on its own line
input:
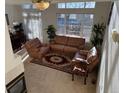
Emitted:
<point x="85" y="78"/>
<point x="87" y="74"/>
<point x="72" y="76"/>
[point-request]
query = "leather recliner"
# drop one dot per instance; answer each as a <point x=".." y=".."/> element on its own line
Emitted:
<point x="36" y="49"/>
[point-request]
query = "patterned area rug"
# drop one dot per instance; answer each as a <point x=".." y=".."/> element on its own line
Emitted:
<point x="56" y="61"/>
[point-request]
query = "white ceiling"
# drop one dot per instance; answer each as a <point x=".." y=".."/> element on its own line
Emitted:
<point x="18" y="2"/>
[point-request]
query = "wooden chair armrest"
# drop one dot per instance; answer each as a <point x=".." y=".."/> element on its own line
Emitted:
<point x="82" y="60"/>
<point x="83" y="52"/>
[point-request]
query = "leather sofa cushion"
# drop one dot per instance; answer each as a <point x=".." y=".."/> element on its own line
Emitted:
<point x="68" y="49"/>
<point x="44" y="50"/>
<point x="76" y="42"/>
<point x="61" y="40"/>
<point x="57" y="47"/>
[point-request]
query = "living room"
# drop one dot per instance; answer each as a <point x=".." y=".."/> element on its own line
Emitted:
<point x="42" y="45"/>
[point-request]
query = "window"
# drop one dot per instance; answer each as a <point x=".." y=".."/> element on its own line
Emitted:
<point x="61" y="5"/>
<point x="28" y="6"/>
<point x="75" y="5"/>
<point x="90" y="5"/>
<point x="75" y="25"/>
<point x="33" y="25"/>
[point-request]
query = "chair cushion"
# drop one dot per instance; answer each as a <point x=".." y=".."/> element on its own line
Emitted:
<point x="78" y="55"/>
<point x="92" y="54"/>
<point x="61" y="40"/>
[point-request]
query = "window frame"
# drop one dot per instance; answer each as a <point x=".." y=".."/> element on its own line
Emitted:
<point x="76" y="2"/>
<point x="61" y="3"/>
<point x="65" y="24"/>
<point x="74" y="8"/>
<point x="90" y="7"/>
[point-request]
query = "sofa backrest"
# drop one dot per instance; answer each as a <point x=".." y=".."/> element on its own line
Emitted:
<point x="69" y="41"/>
<point x="61" y="40"/>
<point x="75" y="42"/>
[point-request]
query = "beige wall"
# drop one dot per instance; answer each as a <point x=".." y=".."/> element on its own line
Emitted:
<point x="14" y="13"/>
<point x="17" y="2"/>
<point x="13" y="64"/>
<point x="53" y="1"/>
<point x="101" y="13"/>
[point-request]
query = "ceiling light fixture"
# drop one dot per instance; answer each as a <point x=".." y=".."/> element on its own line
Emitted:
<point x="41" y="4"/>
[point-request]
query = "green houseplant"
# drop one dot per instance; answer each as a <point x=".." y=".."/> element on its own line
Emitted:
<point x="51" y="32"/>
<point x="97" y="35"/>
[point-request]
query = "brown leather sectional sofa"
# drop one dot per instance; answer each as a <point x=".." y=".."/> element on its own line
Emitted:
<point x="63" y="45"/>
<point x="67" y="45"/>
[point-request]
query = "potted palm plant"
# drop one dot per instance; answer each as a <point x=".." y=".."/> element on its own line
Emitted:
<point x="97" y="35"/>
<point x="51" y="32"/>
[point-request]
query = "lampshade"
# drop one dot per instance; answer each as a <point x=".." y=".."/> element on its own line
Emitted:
<point x="42" y="5"/>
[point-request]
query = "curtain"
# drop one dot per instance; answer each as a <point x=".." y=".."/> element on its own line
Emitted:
<point x="33" y="25"/>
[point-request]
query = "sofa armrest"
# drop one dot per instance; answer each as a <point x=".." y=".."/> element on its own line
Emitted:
<point x="35" y="50"/>
<point x="44" y="50"/>
<point x="45" y="45"/>
<point x="81" y="47"/>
